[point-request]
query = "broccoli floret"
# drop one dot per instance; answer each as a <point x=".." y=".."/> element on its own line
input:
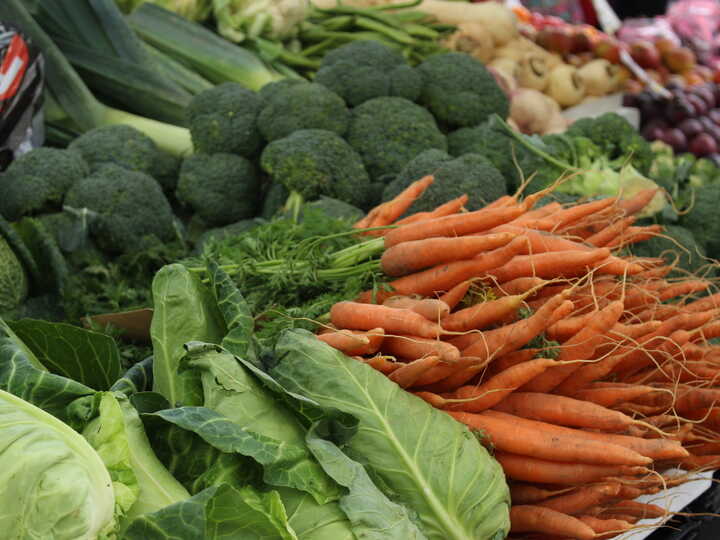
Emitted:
<point x="459" y="91"/>
<point x="703" y="219"/>
<point x="315" y="162"/>
<point x="127" y="147"/>
<point x="675" y="242"/>
<point x="220" y="188"/>
<point x="125" y="206"/>
<point x="388" y="132"/>
<point x="275" y="198"/>
<point x="224" y="119"/>
<point x="37" y="181"/>
<point x="471" y="174"/>
<point x="268" y="91"/>
<point x="303" y="106"/>
<point x="364" y="70"/>
<point x="617" y="139"/>
<point x="220" y="233"/>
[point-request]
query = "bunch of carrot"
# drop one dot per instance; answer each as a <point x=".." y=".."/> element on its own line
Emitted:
<point x="590" y="373"/>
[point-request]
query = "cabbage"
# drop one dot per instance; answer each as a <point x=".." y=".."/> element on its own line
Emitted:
<point x="55" y="486"/>
<point x="13" y="280"/>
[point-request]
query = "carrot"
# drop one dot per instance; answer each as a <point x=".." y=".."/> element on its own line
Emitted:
<point x="389" y="211"/>
<point x="483" y="314"/>
<point x="694" y="463"/>
<point x="444" y="370"/>
<point x="563" y="411"/>
<point x="705" y="449"/>
<point x="633" y="235"/>
<point x="566" y="328"/>
<point x="382" y="364"/>
<point x="413" y="347"/>
<point x="689" y="398"/>
<point x="498" y="387"/>
<point x="518" y="286"/>
<point x="575" y="213"/>
<point x="430" y="308"/>
<point x="529" y="519"/>
<point x="505" y="200"/>
<point x="344" y="340"/>
<point x="618" y="267"/>
<point x="534" y="440"/>
<point x="527" y="493"/>
<point x="636" y="203"/>
<point x="634" y="508"/>
<point x="548" y="265"/>
<point x="606" y="235"/>
<point x="542" y="242"/>
<point x="511" y="359"/>
<point x="454" y="225"/>
<point x="406" y="375"/>
<point x="704" y="304"/>
<point x="608" y="397"/>
<point x="683" y="288"/>
<point x="455" y="295"/>
<point x="357" y="316"/>
<point x="433" y="399"/>
<point x="451" y="207"/>
<point x="445" y="276"/>
<point x="600" y="526"/>
<point x="407" y="257"/>
<point x="581" y="499"/>
<point x="530" y="469"/>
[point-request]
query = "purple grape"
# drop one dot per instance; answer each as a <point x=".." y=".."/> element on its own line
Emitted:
<point x="698" y="103"/>
<point x="690" y="127"/>
<point x="703" y="145"/>
<point x="707" y="95"/>
<point x="679" y="110"/>
<point x="629" y="100"/>
<point x="675" y="138"/>
<point x="714" y="115"/>
<point x="707" y="123"/>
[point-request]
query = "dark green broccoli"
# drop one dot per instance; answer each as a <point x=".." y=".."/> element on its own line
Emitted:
<point x="220" y="188"/>
<point x="388" y="132"/>
<point x="675" y="243"/>
<point x="269" y="90"/>
<point x="125" y="207"/>
<point x="275" y="197"/>
<point x="364" y="70"/>
<point x="459" y="91"/>
<point x="315" y="162"/>
<point x="470" y="174"/>
<point x="616" y="138"/>
<point x="220" y="233"/>
<point x="129" y="148"/>
<point x="303" y="106"/>
<point x="224" y="119"/>
<point x="37" y="181"/>
<point x="703" y="219"/>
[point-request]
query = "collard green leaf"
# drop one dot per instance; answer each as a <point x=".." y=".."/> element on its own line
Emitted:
<point x="313" y="521"/>
<point x="88" y="357"/>
<point x="217" y="513"/>
<point x="372" y="514"/>
<point x="185" y="311"/>
<point x="419" y="456"/>
<point x="284" y="463"/>
<point x="22" y="374"/>
<point x="136" y="379"/>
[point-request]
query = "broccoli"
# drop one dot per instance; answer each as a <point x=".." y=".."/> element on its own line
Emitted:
<point x="275" y="197"/>
<point x="703" y="219"/>
<point x="315" y="162"/>
<point x="663" y="171"/>
<point x="703" y="172"/>
<point x="364" y="70"/>
<point x="224" y="119"/>
<point x="126" y="206"/>
<point x="37" y="181"/>
<point x="303" y="106"/>
<point x="220" y="233"/>
<point x="220" y="188"/>
<point x="388" y="132"/>
<point x="470" y="174"/>
<point x="269" y="91"/>
<point x="616" y="138"/>
<point x="459" y="91"/>
<point x="129" y="148"/>
<point x="675" y="242"/>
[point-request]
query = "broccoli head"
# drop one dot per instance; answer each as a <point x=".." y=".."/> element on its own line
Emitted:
<point x="125" y="207"/>
<point x="268" y="91"/>
<point x="303" y="106"/>
<point x="388" y="132"/>
<point x="315" y="162"/>
<point x="129" y="148"/>
<point x="224" y="119"/>
<point x="37" y="181"/>
<point x="459" y="91"/>
<point x="703" y="219"/>
<point x="470" y="174"/>
<point x="616" y="138"/>
<point x="364" y="70"/>
<point x="675" y="243"/>
<point x="220" y="188"/>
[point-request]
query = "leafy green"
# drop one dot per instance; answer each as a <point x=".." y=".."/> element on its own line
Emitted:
<point x="416" y="454"/>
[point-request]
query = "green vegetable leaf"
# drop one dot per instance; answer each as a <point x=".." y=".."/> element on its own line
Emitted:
<point x="284" y="464"/>
<point x="419" y="456"/>
<point x="217" y="513"/>
<point x="22" y="374"/>
<point x="136" y="379"/>
<point x="184" y="311"/>
<point x="85" y="356"/>
<point x="372" y="514"/>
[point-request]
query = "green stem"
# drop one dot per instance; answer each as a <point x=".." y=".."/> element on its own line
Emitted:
<point x="398" y="35"/>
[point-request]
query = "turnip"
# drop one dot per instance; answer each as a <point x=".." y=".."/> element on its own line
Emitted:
<point x="474" y="39"/>
<point x="599" y="77"/>
<point x="532" y="110"/>
<point x="532" y="72"/>
<point x="506" y="66"/>
<point x="507" y="84"/>
<point x="566" y="86"/>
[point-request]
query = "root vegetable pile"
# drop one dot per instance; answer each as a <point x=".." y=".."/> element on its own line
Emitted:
<point x="590" y="372"/>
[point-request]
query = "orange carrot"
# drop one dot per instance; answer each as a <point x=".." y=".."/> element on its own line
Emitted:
<point x="534" y="440"/>
<point x="612" y="526"/>
<point x="633" y="235"/>
<point x="511" y="359"/>
<point x="482" y="315"/>
<point x="345" y="341"/>
<point x="454" y="225"/>
<point x="704" y="304"/>
<point x="382" y="364"/>
<point x="455" y="295"/>
<point x="389" y="211"/>
<point x="413" y="347"/>
<point x="683" y="288"/>
<point x="431" y="398"/>
<point x="445" y="369"/>
<point x="609" y="397"/>
<point x="498" y="387"/>
<point x="575" y="213"/>
<point x="430" y="308"/>
<point x="583" y="498"/>
<point x="530" y="469"/>
<point x="531" y="519"/>
<point x="518" y="286"/>
<point x="407" y="374"/>
<point x="608" y="234"/>
<point x="542" y="242"/>
<point x="566" y="328"/>
<point x="356" y="316"/>
<point x="642" y="510"/>
<point x="563" y="411"/>
<point x="549" y="265"/>
<point x="444" y="277"/>
<point x="528" y="493"/>
<point x="636" y="203"/>
<point x="451" y="207"/>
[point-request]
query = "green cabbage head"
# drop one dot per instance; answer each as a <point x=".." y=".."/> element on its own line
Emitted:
<point x="54" y="485"/>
